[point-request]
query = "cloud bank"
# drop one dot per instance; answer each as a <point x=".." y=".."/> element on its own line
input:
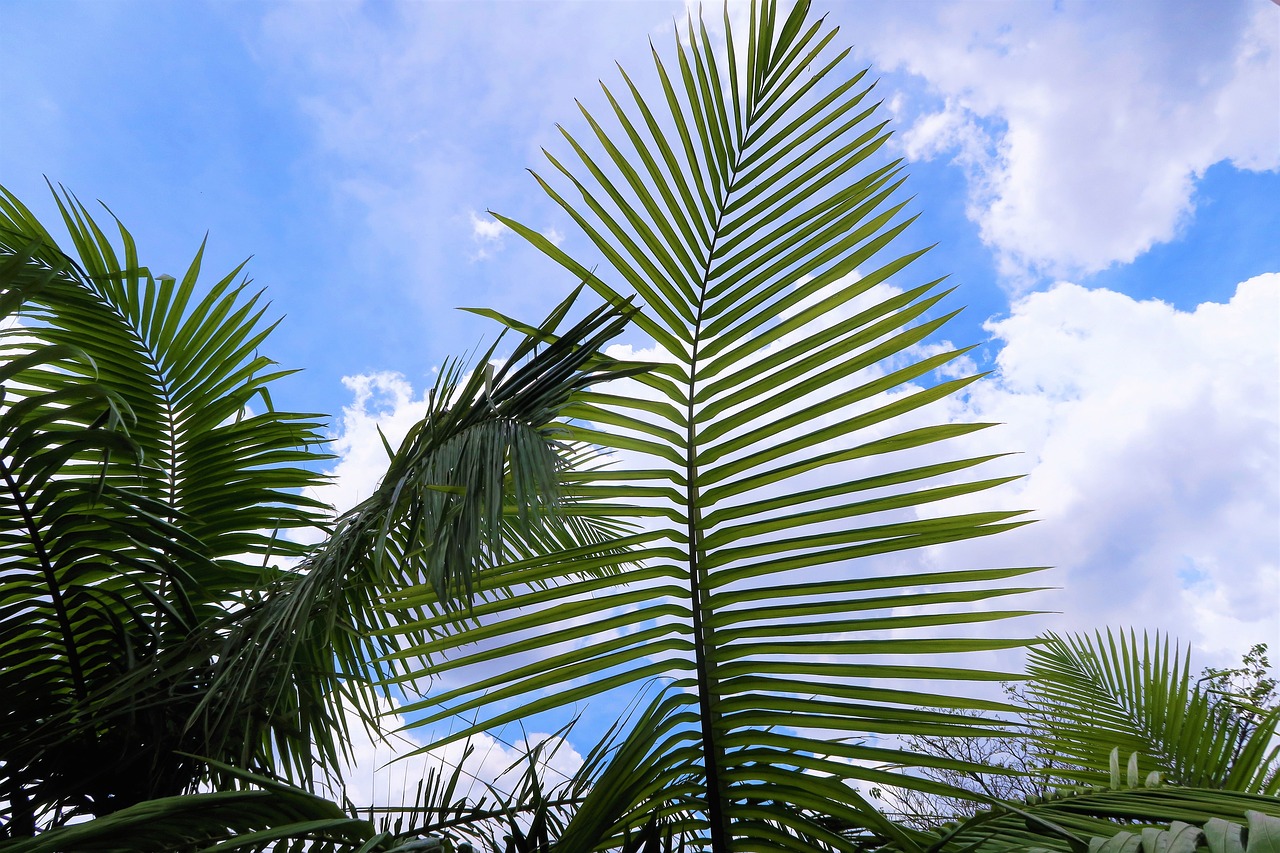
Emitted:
<point x="1151" y="447"/>
<point x="1082" y="127"/>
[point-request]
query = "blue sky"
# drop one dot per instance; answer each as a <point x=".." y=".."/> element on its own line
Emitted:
<point x="1102" y="180"/>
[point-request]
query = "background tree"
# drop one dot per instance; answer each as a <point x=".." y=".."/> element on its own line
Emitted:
<point x="159" y="628"/>
<point x="1246" y="693"/>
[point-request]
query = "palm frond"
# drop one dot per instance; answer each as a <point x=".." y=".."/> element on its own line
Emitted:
<point x="1083" y="820"/>
<point x="150" y="485"/>
<point x="1093" y="695"/>
<point x="268" y="816"/>
<point x="763" y="460"/>
<point x="477" y="479"/>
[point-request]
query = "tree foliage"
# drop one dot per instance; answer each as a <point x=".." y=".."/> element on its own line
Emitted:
<point x="722" y="525"/>
<point x="152" y="625"/>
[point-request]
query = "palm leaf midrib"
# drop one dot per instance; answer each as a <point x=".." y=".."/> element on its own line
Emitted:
<point x="168" y="469"/>
<point x="50" y="576"/>
<point x="704" y="662"/>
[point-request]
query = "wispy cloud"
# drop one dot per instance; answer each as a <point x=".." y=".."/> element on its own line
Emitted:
<point x="486" y="236"/>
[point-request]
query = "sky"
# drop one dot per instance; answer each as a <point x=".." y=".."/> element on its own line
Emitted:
<point x="1102" y="181"/>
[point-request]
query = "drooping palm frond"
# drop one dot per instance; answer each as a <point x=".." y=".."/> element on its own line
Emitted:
<point x="268" y="816"/>
<point x="148" y="482"/>
<point x="758" y="457"/>
<point x="1093" y="695"/>
<point x="478" y="478"/>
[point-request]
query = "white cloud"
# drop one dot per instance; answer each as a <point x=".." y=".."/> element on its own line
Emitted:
<point x="376" y="776"/>
<point x="1151" y="447"/>
<point x="486" y="235"/>
<point x="1083" y="126"/>
<point x="380" y="401"/>
<point x="487" y="230"/>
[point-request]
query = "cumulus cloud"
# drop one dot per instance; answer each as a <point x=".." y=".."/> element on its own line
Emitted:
<point x="383" y="406"/>
<point x="1083" y="127"/>
<point x="1150" y="441"/>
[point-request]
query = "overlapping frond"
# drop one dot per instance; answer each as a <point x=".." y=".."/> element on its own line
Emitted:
<point x="477" y="480"/>
<point x="1086" y="820"/>
<point x="267" y="816"/>
<point x="138" y="488"/>
<point x="1115" y="691"/>
<point x="776" y="442"/>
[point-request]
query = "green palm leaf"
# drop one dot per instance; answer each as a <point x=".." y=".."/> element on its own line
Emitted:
<point x="1093" y="695"/>
<point x="756" y="458"/>
<point x="104" y="566"/>
<point x="144" y="494"/>
<point x="270" y="815"/>
<point x="476" y="481"/>
<point x="1083" y="820"/>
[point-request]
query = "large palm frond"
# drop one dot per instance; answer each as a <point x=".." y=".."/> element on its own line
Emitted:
<point x="1093" y="695"/>
<point x="759" y="458"/>
<point x="267" y="816"/>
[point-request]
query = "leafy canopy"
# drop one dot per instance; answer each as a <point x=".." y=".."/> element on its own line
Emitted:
<point x="737" y="543"/>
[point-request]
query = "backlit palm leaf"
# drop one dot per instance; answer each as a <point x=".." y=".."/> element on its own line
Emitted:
<point x="147" y="482"/>
<point x="1095" y="694"/>
<point x="142" y="495"/>
<point x="758" y="457"/>
<point x="268" y="816"/>
<point x="478" y="478"/>
<point x="1071" y="822"/>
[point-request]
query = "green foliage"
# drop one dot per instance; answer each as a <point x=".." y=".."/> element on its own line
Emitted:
<point x="269" y="813"/>
<point x="778" y="440"/>
<point x="1073" y="823"/>
<point x="1217" y="836"/>
<point x="1092" y="696"/>
<point x="143" y="497"/>
<point x="733" y="542"/>
<point x="150" y="634"/>
<point x="1248" y="690"/>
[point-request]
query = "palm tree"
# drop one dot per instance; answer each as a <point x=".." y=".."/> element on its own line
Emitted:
<point x="735" y="545"/>
<point x="155" y="635"/>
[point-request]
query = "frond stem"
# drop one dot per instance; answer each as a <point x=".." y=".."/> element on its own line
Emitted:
<point x="707" y="679"/>
<point x="51" y="580"/>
